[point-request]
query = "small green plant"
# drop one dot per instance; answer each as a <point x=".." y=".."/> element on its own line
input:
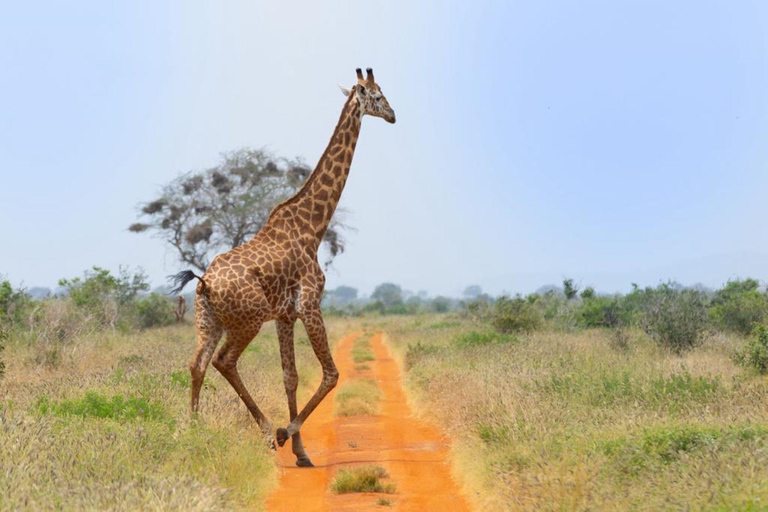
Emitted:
<point x="492" y="433"/>
<point x="755" y="354"/>
<point x="181" y="378"/>
<point x="361" y="479"/>
<point x="384" y="502"/>
<point x="97" y="405"/>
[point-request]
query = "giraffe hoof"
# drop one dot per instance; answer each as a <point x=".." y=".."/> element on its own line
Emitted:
<point x="304" y="462"/>
<point x="281" y="436"/>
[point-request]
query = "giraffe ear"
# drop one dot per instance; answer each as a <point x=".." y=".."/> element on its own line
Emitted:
<point x="361" y="90"/>
<point x="344" y="90"/>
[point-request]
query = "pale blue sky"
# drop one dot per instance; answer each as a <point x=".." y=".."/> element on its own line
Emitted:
<point x="607" y="141"/>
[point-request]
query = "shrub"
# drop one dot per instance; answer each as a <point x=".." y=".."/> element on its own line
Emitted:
<point x="755" y="354"/>
<point x="569" y="289"/>
<point x="105" y="296"/>
<point x="675" y="318"/>
<point x="514" y="315"/>
<point x="739" y="306"/>
<point x="154" y="310"/>
<point x="14" y="305"/>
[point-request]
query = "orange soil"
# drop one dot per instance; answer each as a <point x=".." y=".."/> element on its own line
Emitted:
<point x="414" y="453"/>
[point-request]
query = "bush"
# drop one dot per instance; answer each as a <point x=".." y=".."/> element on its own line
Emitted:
<point x="739" y="306"/>
<point x="674" y="318"/>
<point x="755" y="355"/>
<point x="595" y="311"/>
<point x="14" y="305"/>
<point x="105" y="296"/>
<point x="154" y="310"/>
<point x="514" y="315"/>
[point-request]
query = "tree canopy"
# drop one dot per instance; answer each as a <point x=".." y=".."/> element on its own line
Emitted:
<point x="203" y="213"/>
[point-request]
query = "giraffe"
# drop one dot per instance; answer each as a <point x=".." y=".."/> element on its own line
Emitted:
<point x="276" y="276"/>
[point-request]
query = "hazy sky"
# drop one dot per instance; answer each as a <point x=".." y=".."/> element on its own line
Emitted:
<point x="606" y="141"/>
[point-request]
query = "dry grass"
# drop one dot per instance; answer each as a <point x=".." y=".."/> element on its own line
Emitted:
<point x="105" y="424"/>
<point x="563" y="421"/>
<point x="358" y="397"/>
<point x="361" y="479"/>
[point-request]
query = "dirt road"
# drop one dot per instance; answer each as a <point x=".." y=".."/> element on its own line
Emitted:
<point x="414" y="453"/>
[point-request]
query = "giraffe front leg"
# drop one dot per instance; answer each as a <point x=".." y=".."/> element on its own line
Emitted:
<point x="313" y="322"/>
<point x="291" y="380"/>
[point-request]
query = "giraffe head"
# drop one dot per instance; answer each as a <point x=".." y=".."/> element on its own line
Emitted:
<point x="369" y="96"/>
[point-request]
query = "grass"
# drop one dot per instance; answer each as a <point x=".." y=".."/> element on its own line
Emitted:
<point x="361" y="351"/>
<point x="108" y="426"/>
<point x="358" y="397"/>
<point x="362" y="479"/>
<point x="97" y="405"/>
<point x="478" y="339"/>
<point x="561" y="420"/>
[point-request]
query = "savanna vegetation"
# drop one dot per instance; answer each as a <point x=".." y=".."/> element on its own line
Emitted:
<point x="94" y="404"/>
<point x="563" y="399"/>
<point x="650" y="400"/>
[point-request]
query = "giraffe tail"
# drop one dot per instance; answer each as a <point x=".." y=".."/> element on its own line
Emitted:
<point x="181" y="279"/>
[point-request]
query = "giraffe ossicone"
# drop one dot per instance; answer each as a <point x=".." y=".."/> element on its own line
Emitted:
<point x="276" y="276"/>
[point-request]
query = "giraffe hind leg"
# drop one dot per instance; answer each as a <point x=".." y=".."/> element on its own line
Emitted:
<point x="226" y="362"/>
<point x="209" y="332"/>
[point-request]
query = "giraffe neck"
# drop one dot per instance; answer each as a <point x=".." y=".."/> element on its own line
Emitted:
<point x="310" y="210"/>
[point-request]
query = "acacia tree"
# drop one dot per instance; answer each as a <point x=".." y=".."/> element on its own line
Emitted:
<point x="203" y="213"/>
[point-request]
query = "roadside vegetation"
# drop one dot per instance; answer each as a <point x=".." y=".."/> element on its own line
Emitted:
<point x="94" y="405"/>
<point x="561" y="399"/>
<point x="651" y="400"/>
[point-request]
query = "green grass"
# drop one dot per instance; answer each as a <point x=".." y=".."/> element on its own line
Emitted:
<point x="384" y="502"/>
<point x="362" y="479"/>
<point x="108" y="427"/>
<point x="358" y="397"/>
<point x="97" y="405"/>
<point x="479" y="339"/>
<point x="610" y="386"/>
<point x="361" y="351"/>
